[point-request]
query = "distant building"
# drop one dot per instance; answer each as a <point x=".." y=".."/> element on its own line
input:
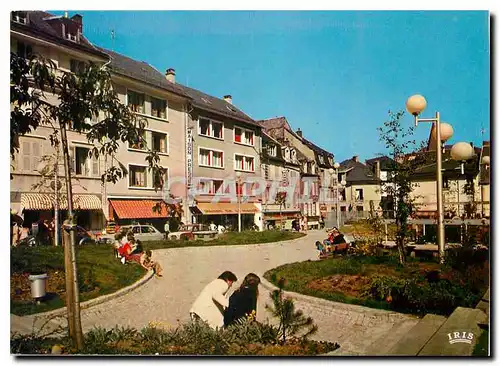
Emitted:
<point x="279" y="167"/>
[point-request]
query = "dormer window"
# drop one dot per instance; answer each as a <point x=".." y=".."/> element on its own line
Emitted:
<point x="20" y="17"/>
<point x="287" y="154"/>
<point x="321" y="159"/>
<point x="271" y="150"/>
<point x="293" y="154"/>
<point x="72" y="37"/>
<point x="330" y="160"/>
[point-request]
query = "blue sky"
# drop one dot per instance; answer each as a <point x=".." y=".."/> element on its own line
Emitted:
<point x="334" y="74"/>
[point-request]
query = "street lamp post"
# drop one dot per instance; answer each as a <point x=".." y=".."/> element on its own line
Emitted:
<point x="461" y="151"/>
<point x="238" y="194"/>
<point x="333" y="170"/>
<point x="443" y="131"/>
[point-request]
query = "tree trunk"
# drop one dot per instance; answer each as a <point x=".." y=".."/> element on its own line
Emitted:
<point x="72" y="291"/>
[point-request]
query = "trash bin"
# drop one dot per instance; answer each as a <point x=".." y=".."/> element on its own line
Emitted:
<point x="38" y="285"/>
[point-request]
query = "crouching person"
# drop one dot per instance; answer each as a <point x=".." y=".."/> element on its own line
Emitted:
<point x="147" y="263"/>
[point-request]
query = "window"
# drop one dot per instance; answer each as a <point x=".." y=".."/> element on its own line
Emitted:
<point x="321" y="159"/>
<point x="159" y="108"/>
<point x="266" y="171"/>
<point x="161" y="180"/>
<point x="330" y="160"/>
<point x="294" y="155"/>
<point x="141" y="143"/>
<point x="446" y="183"/>
<point x="31" y="154"/>
<point x="243" y="136"/>
<point x="211" y="128"/>
<point x="245" y="163"/>
<point x="147" y="230"/>
<point x="271" y="150"/>
<point x="83" y="164"/>
<point x="217" y="186"/>
<point x="359" y="208"/>
<point x="359" y="194"/>
<point x="135" y="101"/>
<point x="138" y="176"/>
<point x="19" y="17"/>
<point x="76" y="66"/>
<point x="159" y="142"/>
<point x="211" y="158"/>
<point x="24" y="50"/>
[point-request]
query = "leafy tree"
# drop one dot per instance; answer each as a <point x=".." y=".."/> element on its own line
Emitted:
<point x="397" y="140"/>
<point x="43" y="95"/>
<point x="291" y="321"/>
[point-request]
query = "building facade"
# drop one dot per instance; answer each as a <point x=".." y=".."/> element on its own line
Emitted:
<point x="308" y="186"/>
<point x="280" y="168"/>
<point x="34" y="190"/>
<point x="224" y="149"/>
<point x="155" y="99"/>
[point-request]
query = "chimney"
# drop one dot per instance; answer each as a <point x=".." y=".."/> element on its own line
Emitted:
<point x="77" y="18"/>
<point x="228" y="98"/>
<point x="355" y="158"/>
<point x="299" y="132"/>
<point x="170" y="75"/>
<point x="377" y="169"/>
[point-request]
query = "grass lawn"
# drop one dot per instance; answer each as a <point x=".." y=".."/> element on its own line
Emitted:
<point x="352" y="279"/>
<point x="99" y="272"/>
<point x="230" y="238"/>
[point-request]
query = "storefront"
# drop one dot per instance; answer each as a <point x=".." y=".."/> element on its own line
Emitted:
<point x="274" y="219"/>
<point x="226" y="214"/>
<point x="143" y="211"/>
<point x="40" y="206"/>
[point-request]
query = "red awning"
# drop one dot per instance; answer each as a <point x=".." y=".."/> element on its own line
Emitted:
<point x="137" y="209"/>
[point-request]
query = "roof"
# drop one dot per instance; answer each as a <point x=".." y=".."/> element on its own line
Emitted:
<point x="386" y="163"/>
<point x="358" y="172"/>
<point x="38" y="24"/>
<point x="278" y="123"/>
<point x="216" y="105"/>
<point x="141" y="71"/>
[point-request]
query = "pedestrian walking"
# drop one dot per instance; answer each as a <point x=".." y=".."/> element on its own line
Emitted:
<point x="243" y="302"/>
<point x="211" y="302"/>
<point x="167" y="229"/>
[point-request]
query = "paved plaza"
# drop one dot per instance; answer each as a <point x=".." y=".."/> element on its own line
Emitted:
<point x="188" y="270"/>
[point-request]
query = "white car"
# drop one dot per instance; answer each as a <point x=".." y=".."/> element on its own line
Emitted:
<point x="141" y="233"/>
<point x="193" y="232"/>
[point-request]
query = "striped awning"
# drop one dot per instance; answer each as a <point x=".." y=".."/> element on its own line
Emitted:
<point x="138" y="209"/>
<point x="42" y="201"/>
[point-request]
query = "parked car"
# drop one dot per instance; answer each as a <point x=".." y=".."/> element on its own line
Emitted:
<point x="193" y="231"/>
<point x="111" y="228"/>
<point x="141" y="233"/>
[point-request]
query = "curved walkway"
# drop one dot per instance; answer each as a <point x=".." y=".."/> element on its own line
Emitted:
<point x="188" y="270"/>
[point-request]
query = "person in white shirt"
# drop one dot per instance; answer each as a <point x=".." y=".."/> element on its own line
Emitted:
<point x="210" y="304"/>
<point x="213" y="227"/>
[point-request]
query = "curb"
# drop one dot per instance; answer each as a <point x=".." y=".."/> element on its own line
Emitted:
<point x="235" y="245"/>
<point x="316" y="301"/>
<point x="97" y="300"/>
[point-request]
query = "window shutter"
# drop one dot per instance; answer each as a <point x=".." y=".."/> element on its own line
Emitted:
<point x="95" y="166"/>
<point x="35" y="154"/>
<point x="26" y="156"/>
<point x="73" y="159"/>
